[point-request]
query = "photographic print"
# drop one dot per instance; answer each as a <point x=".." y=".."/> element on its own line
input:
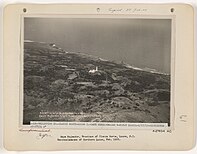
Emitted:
<point x="98" y="77"/>
<point x="115" y="70"/>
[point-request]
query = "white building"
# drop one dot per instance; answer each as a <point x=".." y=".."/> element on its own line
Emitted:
<point x="94" y="70"/>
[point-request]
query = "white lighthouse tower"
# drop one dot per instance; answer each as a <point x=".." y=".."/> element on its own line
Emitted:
<point x="94" y="70"/>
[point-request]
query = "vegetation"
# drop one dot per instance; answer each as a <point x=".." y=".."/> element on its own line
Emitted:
<point x="59" y="81"/>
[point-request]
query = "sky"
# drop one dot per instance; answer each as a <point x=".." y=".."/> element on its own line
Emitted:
<point x="138" y="42"/>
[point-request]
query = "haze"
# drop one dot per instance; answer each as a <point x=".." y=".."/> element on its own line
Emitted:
<point x="138" y="42"/>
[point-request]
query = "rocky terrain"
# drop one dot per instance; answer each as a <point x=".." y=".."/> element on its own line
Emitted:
<point x="64" y="86"/>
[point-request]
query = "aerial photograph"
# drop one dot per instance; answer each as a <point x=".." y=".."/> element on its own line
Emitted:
<point x="115" y="70"/>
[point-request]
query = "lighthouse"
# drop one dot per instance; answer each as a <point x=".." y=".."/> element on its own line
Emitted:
<point x="94" y="70"/>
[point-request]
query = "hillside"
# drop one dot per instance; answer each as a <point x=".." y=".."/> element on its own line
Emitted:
<point x="65" y="86"/>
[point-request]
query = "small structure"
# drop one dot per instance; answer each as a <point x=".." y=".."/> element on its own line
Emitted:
<point x="94" y="70"/>
<point x="52" y="44"/>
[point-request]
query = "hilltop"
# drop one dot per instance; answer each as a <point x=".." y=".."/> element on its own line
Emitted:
<point x="56" y="80"/>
